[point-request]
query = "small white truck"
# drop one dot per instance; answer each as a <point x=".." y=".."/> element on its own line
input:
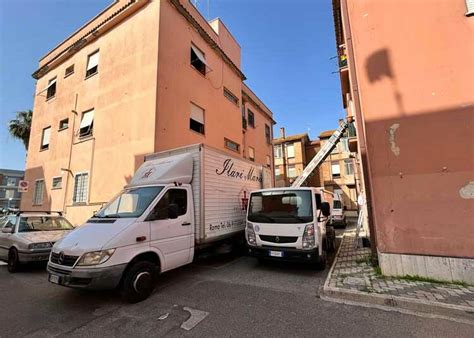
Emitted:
<point x="290" y="224"/>
<point x="177" y="202"/>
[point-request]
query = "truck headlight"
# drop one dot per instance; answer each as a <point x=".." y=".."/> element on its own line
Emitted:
<point x="95" y="257"/>
<point x="43" y="245"/>
<point x="251" y="239"/>
<point x="308" y="237"/>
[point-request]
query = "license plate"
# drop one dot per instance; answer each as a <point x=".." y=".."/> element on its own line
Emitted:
<point x="276" y="253"/>
<point x="54" y="279"/>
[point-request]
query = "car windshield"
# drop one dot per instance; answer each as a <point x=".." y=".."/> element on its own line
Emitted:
<point x="337" y="204"/>
<point x="130" y="203"/>
<point x="282" y="206"/>
<point x="43" y="223"/>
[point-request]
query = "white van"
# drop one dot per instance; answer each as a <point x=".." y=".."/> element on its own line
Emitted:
<point x="338" y="217"/>
<point x="177" y="201"/>
<point x="290" y="224"/>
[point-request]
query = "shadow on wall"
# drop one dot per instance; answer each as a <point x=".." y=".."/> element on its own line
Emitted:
<point x="378" y="66"/>
<point x="138" y="161"/>
<point x="32" y="175"/>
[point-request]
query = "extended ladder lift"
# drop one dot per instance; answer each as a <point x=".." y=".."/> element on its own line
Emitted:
<point x="321" y="155"/>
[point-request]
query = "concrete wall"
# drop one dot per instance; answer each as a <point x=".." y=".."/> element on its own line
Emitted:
<point x="414" y="74"/>
<point x="123" y="95"/>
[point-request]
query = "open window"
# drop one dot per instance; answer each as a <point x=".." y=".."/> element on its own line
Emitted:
<point x="196" y="119"/>
<point x="251" y="154"/>
<point x="51" y="90"/>
<point x="87" y="124"/>
<point x="198" y="60"/>
<point x="92" y="64"/>
<point x="335" y="169"/>
<point x="251" y="118"/>
<point x="231" y="145"/>
<point x="45" y="138"/>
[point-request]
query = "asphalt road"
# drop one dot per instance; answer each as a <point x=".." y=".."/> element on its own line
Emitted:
<point x="239" y="296"/>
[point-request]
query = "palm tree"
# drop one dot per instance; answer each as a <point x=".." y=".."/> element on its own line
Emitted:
<point x="20" y="127"/>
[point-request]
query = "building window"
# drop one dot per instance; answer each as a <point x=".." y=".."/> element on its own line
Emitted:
<point x="278" y="152"/>
<point x="51" y="91"/>
<point x="290" y="150"/>
<point x="198" y="60"/>
<point x="291" y="172"/>
<point x="196" y="119"/>
<point x="269" y="161"/>
<point x="80" y="188"/>
<point x="87" y="124"/>
<point x="277" y="173"/>
<point x="344" y="145"/>
<point x="11" y="181"/>
<point x="92" y="64"/>
<point x="268" y="135"/>
<point x="335" y="169"/>
<point x="251" y="154"/>
<point x="251" y="118"/>
<point x="57" y="182"/>
<point x="63" y="124"/>
<point x="231" y="145"/>
<point x="38" y="193"/>
<point x="45" y="138"/>
<point x="69" y="71"/>
<point x="349" y="166"/>
<point x="228" y="94"/>
<point x="244" y="119"/>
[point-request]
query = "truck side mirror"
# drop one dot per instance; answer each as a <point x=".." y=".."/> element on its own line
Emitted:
<point x="326" y="209"/>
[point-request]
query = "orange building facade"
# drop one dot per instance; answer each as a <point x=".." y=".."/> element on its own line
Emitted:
<point x="406" y="78"/>
<point x="142" y="76"/>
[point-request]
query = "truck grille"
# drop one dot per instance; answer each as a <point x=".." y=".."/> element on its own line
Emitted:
<point x="278" y="239"/>
<point x="65" y="260"/>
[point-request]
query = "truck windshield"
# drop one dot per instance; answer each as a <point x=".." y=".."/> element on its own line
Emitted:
<point x="282" y="206"/>
<point x="130" y="203"/>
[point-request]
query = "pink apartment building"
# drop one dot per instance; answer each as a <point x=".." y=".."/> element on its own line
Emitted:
<point x="140" y="77"/>
<point x="407" y="69"/>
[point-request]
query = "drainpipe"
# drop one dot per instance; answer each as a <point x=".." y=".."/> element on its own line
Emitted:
<point x="362" y="142"/>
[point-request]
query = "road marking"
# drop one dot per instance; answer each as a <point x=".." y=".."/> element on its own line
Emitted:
<point x="196" y="317"/>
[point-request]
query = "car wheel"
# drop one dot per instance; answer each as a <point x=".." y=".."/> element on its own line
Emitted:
<point x="13" y="260"/>
<point x="138" y="281"/>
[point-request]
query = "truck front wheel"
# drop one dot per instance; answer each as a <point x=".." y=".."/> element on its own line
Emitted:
<point x="138" y="281"/>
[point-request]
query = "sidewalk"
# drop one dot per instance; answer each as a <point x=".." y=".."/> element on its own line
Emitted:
<point x="353" y="279"/>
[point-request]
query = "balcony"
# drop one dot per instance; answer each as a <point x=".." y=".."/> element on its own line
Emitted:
<point x="342" y="58"/>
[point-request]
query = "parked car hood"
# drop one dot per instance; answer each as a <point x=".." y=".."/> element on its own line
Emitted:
<point x="91" y="237"/>
<point x="43" y="236"/>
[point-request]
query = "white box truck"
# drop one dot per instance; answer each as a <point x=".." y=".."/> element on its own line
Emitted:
<point x="290" y="224"/>
<point x="177" y="201"/>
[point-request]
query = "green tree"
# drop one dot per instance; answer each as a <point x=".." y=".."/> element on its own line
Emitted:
<point x="20" y="127"/>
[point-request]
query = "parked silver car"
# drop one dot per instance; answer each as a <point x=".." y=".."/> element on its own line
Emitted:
<point x="29" y="236"/>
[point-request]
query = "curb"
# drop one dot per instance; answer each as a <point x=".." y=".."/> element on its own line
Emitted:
<point x="457" y="313"/>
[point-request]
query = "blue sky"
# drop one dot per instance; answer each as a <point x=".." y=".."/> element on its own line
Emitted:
<point x="287" y="48"/>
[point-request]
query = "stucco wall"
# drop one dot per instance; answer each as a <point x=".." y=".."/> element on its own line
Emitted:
<point x="414" y="69"/>
<point x="123" y="95"/>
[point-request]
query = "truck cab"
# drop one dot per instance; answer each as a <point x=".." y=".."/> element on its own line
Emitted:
<point x="290" y="224"/>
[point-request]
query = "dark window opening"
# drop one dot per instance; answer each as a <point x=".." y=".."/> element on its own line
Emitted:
<point x="196" y="126"/>
<point x="51" y="92"/>
<point x="197" y="63"/>
<point x="251" y="118"/>
<point x="267" y="134"/>
<point x="231" y="97"/>
<point x="86" y="131"/>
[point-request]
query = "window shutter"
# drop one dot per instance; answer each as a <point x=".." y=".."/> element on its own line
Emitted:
<point x="197" y="114"/>
<point x="87" y="119"/>
<point x="93" y="61"/>
<point x="199" y="54"/>
<point x="46" y="136"/>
